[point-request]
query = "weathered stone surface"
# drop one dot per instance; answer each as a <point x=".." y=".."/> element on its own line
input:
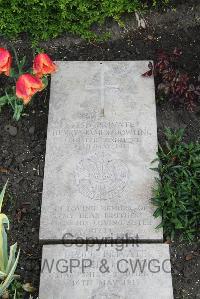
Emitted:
<point x="102" y="137"/>
<point x="108" y="272"/>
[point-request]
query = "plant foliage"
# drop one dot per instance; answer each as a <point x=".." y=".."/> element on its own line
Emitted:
<point x="177" y="196"/>
<point x="172" y="83"/>
<point x="44" y="19"/>
<point x="8" y="262"/>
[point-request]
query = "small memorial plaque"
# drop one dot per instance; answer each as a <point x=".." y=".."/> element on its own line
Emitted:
<point x="112" y="271"/>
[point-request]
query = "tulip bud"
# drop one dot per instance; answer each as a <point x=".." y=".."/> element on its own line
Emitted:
<point x="43" y="65"/>
<point x="27" y="85"/>
<point x="5" y="61"/>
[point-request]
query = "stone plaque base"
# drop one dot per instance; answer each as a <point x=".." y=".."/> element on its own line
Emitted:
<point x="114" y="271"/>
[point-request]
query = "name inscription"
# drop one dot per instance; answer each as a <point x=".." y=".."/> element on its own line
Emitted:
<point x="101" y="134"/>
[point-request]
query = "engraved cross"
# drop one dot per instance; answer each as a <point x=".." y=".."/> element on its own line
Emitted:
<point x="102" y="89"/>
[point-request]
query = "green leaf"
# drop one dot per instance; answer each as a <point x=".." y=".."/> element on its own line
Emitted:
<point x="10" y="276"/>
<point x="157" y="213"/>
<point x="2" y="194"/>
<point x="3" y="242"/>
<point x="159" y="226"/>
<point x="11" y="259"/>
<point x="19" y="107"/>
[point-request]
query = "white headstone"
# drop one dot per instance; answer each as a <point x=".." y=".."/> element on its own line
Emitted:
<point x="106" y="272"/>
<point x="102" y="137"/>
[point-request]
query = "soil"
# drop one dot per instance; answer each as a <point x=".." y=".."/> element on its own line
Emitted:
<point x="23" y="144"/>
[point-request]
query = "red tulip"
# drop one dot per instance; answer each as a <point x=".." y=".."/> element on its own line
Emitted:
<point x="27" y="85"/>
<point x="5" y="61"/>
<point x="43" y="65"/>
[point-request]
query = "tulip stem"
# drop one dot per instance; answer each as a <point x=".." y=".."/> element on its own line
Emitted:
<point x="17" y="60"/>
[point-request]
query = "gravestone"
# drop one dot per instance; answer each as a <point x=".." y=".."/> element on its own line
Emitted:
<point x="102" y="137"/>
<point x="108" y="272"/>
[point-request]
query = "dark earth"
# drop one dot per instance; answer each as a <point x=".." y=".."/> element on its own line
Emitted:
<point x="23" y="143"/>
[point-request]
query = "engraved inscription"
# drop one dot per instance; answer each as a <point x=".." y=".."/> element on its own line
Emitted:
<point x="97" y="165"/>
<point x="101" y="178"/>
<point x="108" y="293"/>
<point x="102" y="135"/>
